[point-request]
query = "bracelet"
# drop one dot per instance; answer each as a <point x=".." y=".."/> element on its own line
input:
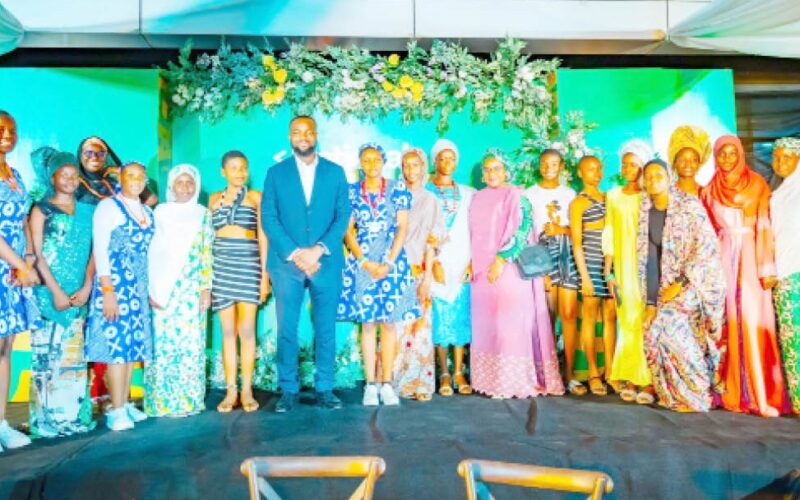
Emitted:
<point x="22" y="272"/>
<point x="361" y="261"/>
<point x="390" y="263"/>
<point x="107" y="288"/>
<point x="29" y="255"/>
<point x="610" y="276"/>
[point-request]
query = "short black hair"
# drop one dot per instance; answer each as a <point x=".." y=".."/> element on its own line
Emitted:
<point x="551" y="151"/>
<point x="590" y="157"/>
<point x="230" y="155"/>
<point x="303" y="117"/>
<point x="5" y="114"/>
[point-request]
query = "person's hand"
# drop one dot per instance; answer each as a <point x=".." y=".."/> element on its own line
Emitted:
<point x="548" y="283"/>
<point x="649" y="316"/>
<point x="424" y="290"/>
<point x="496" y="270"/>
<point x="205" y="300"/>
<point x="61" y="301"/>
<point x="587" y="287"/>
<point x="670" y="292"/>
<point x="550" y="229"/>
<point x="468" y="273"/>
<point x="438" y="272"/>
<point x="26" y="277"/>
<point x="264" y="288"/>
<point x="311" y="271"/>
<point x="306" y="258"/>
<point x="768" y="282"/>
<point x="81" y="296"/>
<point x="612" y="289"/>
<point x="110" y="306"/>
<point x="381" y="271"/>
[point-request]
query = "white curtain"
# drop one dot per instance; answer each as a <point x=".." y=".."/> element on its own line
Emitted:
<point x="759" y="27"/>
<point x="11" y="31"/>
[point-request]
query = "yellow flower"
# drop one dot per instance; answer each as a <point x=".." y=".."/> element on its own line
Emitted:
<point x="393" y="60"/>
<point x="268" y="61"/>
<point x="279" y="75"/>
<point x="417" y="87"/>
<point x="267" y="97"/>
<point x="387" y="86"/>
<point x="399" y="93"/>
<point x="416" y="96"/>
<point x="280" y="93"/>
<point x="406" y="81"/>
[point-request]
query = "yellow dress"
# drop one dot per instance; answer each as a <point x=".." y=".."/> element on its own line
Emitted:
<point x="619" y="242"/>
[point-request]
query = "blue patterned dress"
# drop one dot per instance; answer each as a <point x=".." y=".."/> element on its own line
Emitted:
<point x="130" y="338"/>
<point x="391" y="299"/>
<point x="18" y="312"/>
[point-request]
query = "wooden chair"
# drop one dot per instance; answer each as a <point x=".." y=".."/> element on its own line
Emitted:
<point x="478" y="472"/>
<point x="258" y="468"/>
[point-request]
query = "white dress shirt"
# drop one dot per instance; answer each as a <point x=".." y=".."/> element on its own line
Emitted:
<point x="307" y="172"/>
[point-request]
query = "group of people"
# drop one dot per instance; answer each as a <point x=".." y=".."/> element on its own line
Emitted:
<point x="697" y="289"/>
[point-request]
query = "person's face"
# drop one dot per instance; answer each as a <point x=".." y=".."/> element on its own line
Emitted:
<point x="372" y="163"/>
<point x="550" y="167"/>
<point x="656" y="180"/>
<point x="631" y="167"/>
<point x="184" y="188"/>
<point x="236" y="171"/>
<point x="784" y="162"/>
<point x="303" y="136"/>
<point x="133" y="180"/>
<point x="93" y="156"/>
<point x="8" y="134"/>
<point x="65" y="179"/>
<point x="494" y="172"/>
<point x="590" y="170"/>
<point x="687" y="163"/>
<point x="412" y="169"/>
<point x="446" y="162"/>
<point x="727" y="158"/>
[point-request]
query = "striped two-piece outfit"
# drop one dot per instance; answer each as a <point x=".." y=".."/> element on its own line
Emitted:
<point x="237" y="261"/>
<point x="593" y="245"/>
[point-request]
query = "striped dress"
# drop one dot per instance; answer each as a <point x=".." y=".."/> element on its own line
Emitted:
<point x="593" y="245"/>
<point x="237" y="261"/>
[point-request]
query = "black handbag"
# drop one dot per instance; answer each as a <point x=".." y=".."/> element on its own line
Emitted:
<point x="534" y="261"/>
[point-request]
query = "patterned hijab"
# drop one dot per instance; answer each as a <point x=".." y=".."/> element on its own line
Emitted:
<point x="46" y="162"/>
<point x="689" y="136"/>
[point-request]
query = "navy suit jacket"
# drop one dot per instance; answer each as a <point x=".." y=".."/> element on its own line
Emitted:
<point x="291" y="224"/>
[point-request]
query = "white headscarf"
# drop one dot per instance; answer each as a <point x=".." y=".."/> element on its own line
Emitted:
<point x="638" y="147"/>
<point x="177" y="227"/>
<point x="441" y="145"/>
<point x="785" y="223"/>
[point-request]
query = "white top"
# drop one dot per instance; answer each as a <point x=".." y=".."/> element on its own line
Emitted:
<point x="307" y="172"/>
<point x="549" y="205"/>
<point x="786" y="225"/>
<point x="107" y="217"/>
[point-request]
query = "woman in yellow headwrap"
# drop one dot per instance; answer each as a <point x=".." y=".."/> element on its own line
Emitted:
<point x="689" y="149"/>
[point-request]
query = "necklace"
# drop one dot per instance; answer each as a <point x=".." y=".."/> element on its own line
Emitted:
<point x="9" y="178"/>
<point x="141" y="218"/>
<point x="373" y="207"/>
<point x="450" y="209"/>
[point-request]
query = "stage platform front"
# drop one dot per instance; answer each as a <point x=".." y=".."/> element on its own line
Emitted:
<point x="649" y="452"/>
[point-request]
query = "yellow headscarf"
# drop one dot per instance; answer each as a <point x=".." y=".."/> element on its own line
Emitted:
<point x="689" y="136"/>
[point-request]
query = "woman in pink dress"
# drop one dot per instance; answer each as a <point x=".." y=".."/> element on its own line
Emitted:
<point x="737" y="200"/>
<point x="513" y="352"/>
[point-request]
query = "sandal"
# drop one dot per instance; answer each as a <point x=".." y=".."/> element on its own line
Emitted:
<point x="645" y="398"/>
<point x="423" y="396"/>
<point x="598" y="388"/>
<point x="224" y="407"/>
<point x="627" y="392"/>
<point x="575" y="388"/>
<point x="463" y="386"/>
<point x="445" y="385"/>
<point x="250" y="404"/>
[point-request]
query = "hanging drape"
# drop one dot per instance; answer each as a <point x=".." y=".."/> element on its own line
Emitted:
<point x="11" y="31"/>
<point x="758" y="27"/>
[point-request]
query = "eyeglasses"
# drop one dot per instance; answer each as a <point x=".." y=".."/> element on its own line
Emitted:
<point x="100" y="155"/>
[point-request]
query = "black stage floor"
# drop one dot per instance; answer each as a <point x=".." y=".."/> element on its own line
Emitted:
<point x="649" y="453"/>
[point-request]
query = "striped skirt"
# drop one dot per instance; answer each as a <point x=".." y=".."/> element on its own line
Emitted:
<point x="237" y="272"/>
<point x="593" y="255"/>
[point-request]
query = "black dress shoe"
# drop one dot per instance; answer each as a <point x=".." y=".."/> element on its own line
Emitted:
<point x="327" y="399"/>
<point x="287" y="402"/>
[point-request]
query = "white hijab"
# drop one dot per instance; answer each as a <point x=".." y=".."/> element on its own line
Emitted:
<point x="785" y="223"/>
<point x="177" y="226"/>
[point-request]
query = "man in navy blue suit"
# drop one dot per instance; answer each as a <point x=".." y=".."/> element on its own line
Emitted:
<point x="305" y="210"/>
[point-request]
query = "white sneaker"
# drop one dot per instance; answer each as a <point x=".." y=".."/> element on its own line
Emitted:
<point x="135" y="413"/>
<point x="388" y="396"/>
<point x="370" y="395"/>
<point x="118" y="420"/>
<point x="11" y="438"/>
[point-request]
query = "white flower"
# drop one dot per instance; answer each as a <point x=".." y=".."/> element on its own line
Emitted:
<point x="541" y="93"/>
<point x="462" y="73"/>
<point x="559" y="146"/>
<point x="307" y="76"/>
<point x="461" y="92"/>
<point x="198" y="92"/>
<point x="574" y="137"/>
<point x="525" y="73"/>
<point x="215" y="60"/>
<point x="346" y="74"/>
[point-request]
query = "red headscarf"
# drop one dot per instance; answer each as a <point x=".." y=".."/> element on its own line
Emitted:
<point x="741" y="187"/>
